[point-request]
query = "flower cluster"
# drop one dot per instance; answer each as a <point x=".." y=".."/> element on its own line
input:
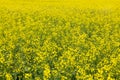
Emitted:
<point x="58" y="44"/>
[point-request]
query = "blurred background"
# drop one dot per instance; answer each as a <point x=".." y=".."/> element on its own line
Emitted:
<point x="98" y="4"/>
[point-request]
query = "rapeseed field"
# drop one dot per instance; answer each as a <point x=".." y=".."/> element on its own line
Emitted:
<point x="59" y="40"/>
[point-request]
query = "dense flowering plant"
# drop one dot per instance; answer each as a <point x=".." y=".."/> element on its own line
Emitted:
<point x="74" y="44"/>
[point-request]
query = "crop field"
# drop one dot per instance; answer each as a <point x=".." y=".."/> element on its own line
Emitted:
<point x="59" y="40"/>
